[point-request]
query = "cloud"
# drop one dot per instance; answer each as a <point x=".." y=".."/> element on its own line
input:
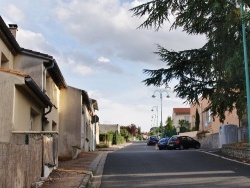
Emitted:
<point x="15" y="13"/>
<point x="108" y="27"/>
<point x="35" y="41"/>
<point x="83" y="70"/>
<point x="103" y="60"/>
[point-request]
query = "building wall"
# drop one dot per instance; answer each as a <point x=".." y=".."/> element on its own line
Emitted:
<point x="23" y="107"/>
<point x="70" y="120"/>
<point x="53" y="93"/>
<point x="207" y="123"/>
<point x="6" y="106"/>
<point x="32" y="66"/>
<point x="177" y="117"/>
<point x="20" y="163"/>
<point x="5" y="53"/>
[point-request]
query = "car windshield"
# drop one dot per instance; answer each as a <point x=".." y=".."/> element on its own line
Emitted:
<point x="163" y="140"/>
<point x="174" y="138"/>
<point x="153" y="137"/>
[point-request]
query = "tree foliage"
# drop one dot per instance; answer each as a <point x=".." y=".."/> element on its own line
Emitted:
<point x="197" y="120"/>
<point x="184" y="125"/>
<point x="215" y="71"/>
<point x="132" y="129"/>
<point x="169" y="128"/>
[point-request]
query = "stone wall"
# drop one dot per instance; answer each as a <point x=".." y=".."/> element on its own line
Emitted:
<point x="210" y="141"/>
<point x="239" y="151"/>
<point x="22" y="161"/>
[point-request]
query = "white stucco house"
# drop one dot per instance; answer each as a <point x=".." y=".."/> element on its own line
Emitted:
<point x="77" y="127"/>
<point x="34" y="98"/>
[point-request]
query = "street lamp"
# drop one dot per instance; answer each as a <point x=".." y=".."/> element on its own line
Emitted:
<point x="160" y="91"/>
<point x="156" y="107"/>
<point x="246" y="65"/>
<point x="153" y="117"/>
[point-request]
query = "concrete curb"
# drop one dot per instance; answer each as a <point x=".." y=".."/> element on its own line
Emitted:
<point x="97" y="166"/>
<point x="93" y="166"/>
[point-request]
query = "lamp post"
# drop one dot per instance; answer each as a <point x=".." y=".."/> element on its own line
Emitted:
<point x="246" y="65"/>
<point x="160" y="91"/>
<point x="153" y="117"/>
<point x="156" y="107"/>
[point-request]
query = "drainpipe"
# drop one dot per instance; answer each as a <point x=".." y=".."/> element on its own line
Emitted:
<point x="44" y="91"/>
<point x="44" y="114"/>
<point x="44" y="75"/>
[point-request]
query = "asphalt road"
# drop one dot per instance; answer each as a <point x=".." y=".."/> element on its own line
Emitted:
<point x="139" y="165"/>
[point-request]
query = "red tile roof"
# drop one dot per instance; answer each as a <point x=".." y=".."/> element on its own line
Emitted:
<point x="181" y="110"/>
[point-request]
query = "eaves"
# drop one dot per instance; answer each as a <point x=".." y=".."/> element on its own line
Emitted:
<point x="8" y="39"/>
<point x="54" y="72"/>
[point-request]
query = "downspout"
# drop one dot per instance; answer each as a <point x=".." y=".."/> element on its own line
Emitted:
<point x="44" y="114"/>
<point x="44" y="75"/>
<point x="44" y="91"/>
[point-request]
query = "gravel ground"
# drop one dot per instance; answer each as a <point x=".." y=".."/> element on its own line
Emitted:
<point x="71" y="173"/>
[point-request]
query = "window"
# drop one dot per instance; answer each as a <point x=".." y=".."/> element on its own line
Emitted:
<point x="186" y="118"/>
<point x="207" y="117"/>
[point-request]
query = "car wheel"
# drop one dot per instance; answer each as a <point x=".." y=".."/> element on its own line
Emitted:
<point x="197" y="146"/>
<point x="160" y="148"/>
<point x="181" y="147"/>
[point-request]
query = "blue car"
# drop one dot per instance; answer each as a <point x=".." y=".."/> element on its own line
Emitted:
<point x="152" y="140"/>
<point x="163" y="143"/>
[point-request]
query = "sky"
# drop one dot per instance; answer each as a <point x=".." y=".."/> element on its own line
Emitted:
<point x="99" y="49"/>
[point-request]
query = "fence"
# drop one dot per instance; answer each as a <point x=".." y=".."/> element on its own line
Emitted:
<point x="212" y="140"/>
<point x="22" y="160"/>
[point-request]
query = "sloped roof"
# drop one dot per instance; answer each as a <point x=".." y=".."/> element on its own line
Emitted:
<point x="8" y="39"/>
<point x="181" y="110"/>
<point x="12" y="44"/>
<point x="30" y="86"/>
<point x="54" y="71"/>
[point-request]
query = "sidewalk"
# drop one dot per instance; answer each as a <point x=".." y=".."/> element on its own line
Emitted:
<point x="78" y="172"/>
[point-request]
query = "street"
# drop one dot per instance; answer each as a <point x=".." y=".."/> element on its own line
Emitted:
<point x="139" y="165"/>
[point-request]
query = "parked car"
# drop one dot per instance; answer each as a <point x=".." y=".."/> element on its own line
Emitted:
<point x="183" y="142"/>
<point x="152" y="140"/>
<point x="163" y="143"/>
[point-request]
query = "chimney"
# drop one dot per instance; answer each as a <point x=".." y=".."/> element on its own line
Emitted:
<point x="13" y="29"/>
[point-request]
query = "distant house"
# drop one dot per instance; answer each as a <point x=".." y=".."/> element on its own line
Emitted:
<point x="105" y="128"/>
<point x="207" y="123"/>
<point x="77" y="126"/>
<point x="180" y="114"/>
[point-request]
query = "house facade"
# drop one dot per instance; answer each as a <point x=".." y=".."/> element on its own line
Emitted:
<point x="207" y="123"/>
<point x="180" y="114"/>
<point x="77" y="129"/>
<point x="30" y="110"/>
<point x="105" y="128"/>
<point x="25" y="148"/>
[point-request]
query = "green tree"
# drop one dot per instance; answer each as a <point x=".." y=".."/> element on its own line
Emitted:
<point x="125" y="133"/>
<point x="197" y="120"/>
<point x="184" y="126"/>
<point x="210" y="71"/>
<point x="169" y="128"/>
<point x="154" y="131"/>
